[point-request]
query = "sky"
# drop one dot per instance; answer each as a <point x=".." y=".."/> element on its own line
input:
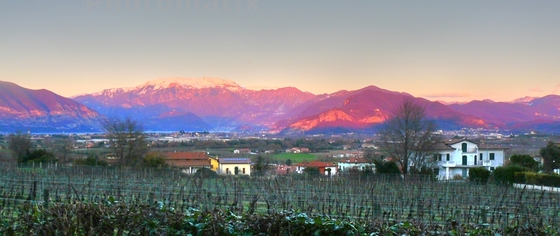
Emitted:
<point x="439" y="50"/>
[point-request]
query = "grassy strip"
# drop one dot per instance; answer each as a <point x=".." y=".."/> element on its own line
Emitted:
<point x="295" y="157"/>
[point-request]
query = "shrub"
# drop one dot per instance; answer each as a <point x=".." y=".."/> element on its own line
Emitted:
<point x="90" y="161"/>
<point x="386" y="167"/>
<point x="524" y="161"/>
<point x="154" y="160"/>
<point x="312" y="171"/>
<point x="457" y="177"/>
<point x="205" y="173"/>
<point x="479" y="175"/>
<point x="506" y="174"/>
<point x="39" y="156"/>
<point x="551" y="180"/>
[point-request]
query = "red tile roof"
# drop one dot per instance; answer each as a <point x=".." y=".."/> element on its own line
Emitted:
<point x="315" y="164"/>
<point x="355" y="160"/>
<point x="186" y="156"/>
<point x="189" y="163"/>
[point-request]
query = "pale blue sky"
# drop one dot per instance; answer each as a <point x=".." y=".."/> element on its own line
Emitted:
<point x="440" y="50"/>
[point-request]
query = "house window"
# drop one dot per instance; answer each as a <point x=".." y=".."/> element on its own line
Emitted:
<point x="227" y="171"/>
<point x="464" y="160"/>
<point x="481" y="156"/>
<point x="464" y="147"/>
<point x="491" y="156"/>
<point x="435" y="157"/>
<point x="243" y="170"/>
<point x="474" y="160"/>
<point x="440" y="157"/>
<point x="447" y="156"/>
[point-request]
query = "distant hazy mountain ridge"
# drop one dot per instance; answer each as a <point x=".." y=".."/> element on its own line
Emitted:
<point x="196" y="104"/>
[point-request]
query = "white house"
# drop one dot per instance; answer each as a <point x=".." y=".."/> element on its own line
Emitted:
<point x="456" y="157"/>
<point x="355" y="163"/>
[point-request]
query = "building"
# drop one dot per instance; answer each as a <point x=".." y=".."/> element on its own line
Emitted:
<point x="234" y="166"/>
<point x="456" y="157"/>
<point x="322" y="166"/>
<point x="355" y="163"/>
<point x="189" y="162"/>
<point x="214" y="163"/>
<point x="242" y="151"/>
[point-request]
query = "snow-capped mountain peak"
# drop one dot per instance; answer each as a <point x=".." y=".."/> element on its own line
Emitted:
<point x="524" y="100"/>
<point x="195" y="83"/>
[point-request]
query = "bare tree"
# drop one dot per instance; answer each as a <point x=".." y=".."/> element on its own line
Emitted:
<point x="20" y="145"/>
<point x="127" y="140"/>
<point x="408" y="139"/>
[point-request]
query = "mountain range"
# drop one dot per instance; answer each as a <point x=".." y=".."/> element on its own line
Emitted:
<point x="173" y="104"/>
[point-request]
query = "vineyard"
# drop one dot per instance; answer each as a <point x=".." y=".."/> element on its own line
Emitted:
<point x="377" y="198"/>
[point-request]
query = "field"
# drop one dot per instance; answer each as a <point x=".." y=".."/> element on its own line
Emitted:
<point x="385" y="199"/>
<point x="295" y="157"/>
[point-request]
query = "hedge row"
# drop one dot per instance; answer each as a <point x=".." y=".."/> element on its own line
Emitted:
<point x="119" y="219"/>
<point x="550" y="180"/>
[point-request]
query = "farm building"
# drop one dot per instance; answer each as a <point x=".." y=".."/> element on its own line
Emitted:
<point x="234" y="166"/>
<point x="322" y="166"/>
<point x="242" y="151"/>
<point x="188" y="161"/>
<point x="456" y="157"/>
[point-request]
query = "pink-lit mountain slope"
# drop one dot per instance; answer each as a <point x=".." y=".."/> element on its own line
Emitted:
<point x="209" y="103"/>
<point x="506" y="114"/>
<point x="366" y="108"/>
<point x="23" y="110"/>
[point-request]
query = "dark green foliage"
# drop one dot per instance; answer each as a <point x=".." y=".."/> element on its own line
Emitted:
<point x="154" y="160"/>
<point x="551" y="157"/>
<point x="506" y="174"/>
<point x="261" y="165"/>
<point x="91" y="161"/>
<point x="386" y="167"/>
<point x="312" y="172"/>
<point x="38" y="156"/>
<point x="550" y="180"/>
<point x="479" y="175"/>
<point x="205" y="173"/>
<point x="524" y="161"/>
<point x="121" y="219"/>
<point x="289" y="162"/>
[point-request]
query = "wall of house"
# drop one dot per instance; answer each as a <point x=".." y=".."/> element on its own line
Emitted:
<point x="343" y="166"/>
<point x="215" y="164"/>
<point x="229" y="169"/>
<point x="334" y="170"/>
<point x="499" y="157"/>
